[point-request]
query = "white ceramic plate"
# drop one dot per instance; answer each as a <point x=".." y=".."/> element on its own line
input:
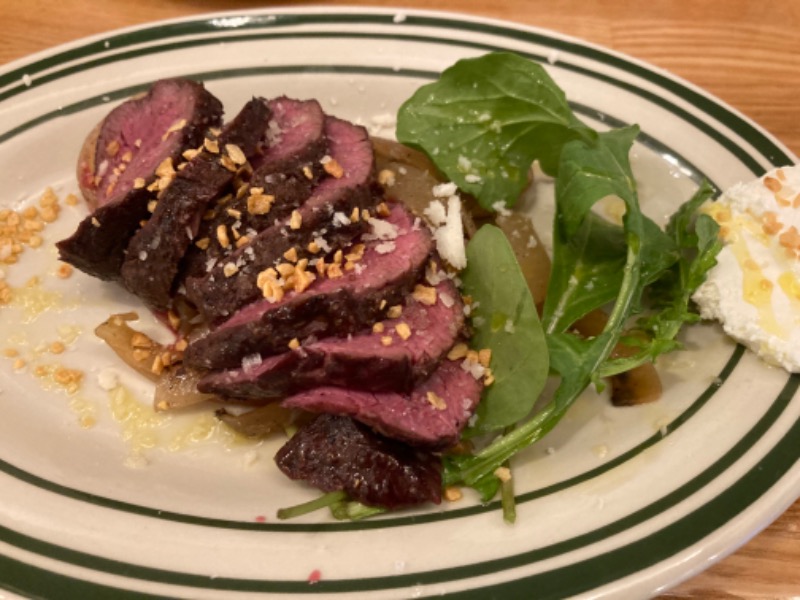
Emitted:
<point x="615" y="502"/>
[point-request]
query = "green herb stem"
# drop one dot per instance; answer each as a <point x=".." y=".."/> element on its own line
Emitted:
<point x="323" y="501"/>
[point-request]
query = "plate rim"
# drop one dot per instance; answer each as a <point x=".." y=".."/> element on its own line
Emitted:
<point x="452" y="16"/>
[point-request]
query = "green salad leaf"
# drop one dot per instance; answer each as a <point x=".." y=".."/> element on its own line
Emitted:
<point x="486" y="120"/>
<point x="506" y="322"/>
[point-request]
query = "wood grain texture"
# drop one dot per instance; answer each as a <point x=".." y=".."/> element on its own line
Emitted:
<point x="747" y="53"/>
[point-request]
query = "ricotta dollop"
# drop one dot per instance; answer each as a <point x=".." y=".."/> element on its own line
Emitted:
<point x="754" y="290"/>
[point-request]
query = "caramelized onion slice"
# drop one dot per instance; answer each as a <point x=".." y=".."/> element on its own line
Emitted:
<point x="262" y="421"/>
<point x="177" y="388"/>
<point x="136" y="349"/>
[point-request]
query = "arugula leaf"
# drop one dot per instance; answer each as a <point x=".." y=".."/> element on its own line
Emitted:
<point x="486" y="120"/>
<point x="519" y="352"/>
<point x="696" y="237"/>
<point x="589" y="253"/>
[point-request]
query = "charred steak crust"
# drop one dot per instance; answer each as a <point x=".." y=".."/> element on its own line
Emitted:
<point x="362" y="361"/>
<point x="328" y="307"/>
<point x="124" y="151"/>
<point x="156" y="250"/>
<point x="218" y="297"/>
<point x="287" y="171"/>
<point x="336" y="453"/>
<point x="431" y="416"/>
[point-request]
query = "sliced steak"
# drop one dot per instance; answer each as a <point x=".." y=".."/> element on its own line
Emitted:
<point x="324" y="214"/>
<point x="283" y="177"/>
<point x="155" y="252"/>
<point x="432" y="415"/>
<point x="119" y="163"/>
<point x="328" y="306"/>
<point x="378" y="359"/>
<point x="335" y="453"/>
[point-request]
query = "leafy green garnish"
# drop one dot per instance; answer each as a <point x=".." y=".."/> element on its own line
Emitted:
<point x="486" y="120"/>
<point x="590" y="254"/>
<point x="508" y="324"/>
<point x="697" y="240"/>
<point x="483" y="123"/>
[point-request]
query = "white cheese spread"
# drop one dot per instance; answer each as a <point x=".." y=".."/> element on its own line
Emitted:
<point x="754" y="290"/>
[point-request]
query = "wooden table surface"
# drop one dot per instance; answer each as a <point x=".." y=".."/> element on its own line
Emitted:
<point x="747" y="53"/>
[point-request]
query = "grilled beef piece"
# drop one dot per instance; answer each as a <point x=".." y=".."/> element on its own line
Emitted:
<point x="218" y="296"/>
<point x="336" y="453"/>
<point x="363" y="361"/>
<point x="432" y="415"/>
<point x="128" y="145"/>
<point x="284" y="176"/>
<point x="155" y="251"/>
<point x="339" y="306"/>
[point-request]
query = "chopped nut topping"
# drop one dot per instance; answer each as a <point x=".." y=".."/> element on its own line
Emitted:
<point x="337" y="257"/>
<point x="140" y="340"/>
<point x="333" y="168"/>
<point x="452" y="493"/>
<point x="294" y="344"/>
<point x="394" y="311"/>
<point x="140" y="354"/>
<point x="488" y="378"/>
<point x="151" y="206"/>
<point x="458" y="352"/>
<point x="313" y="247"/>
<point x="386" y="340"/>
<point x="139" y="183"/>
<point x="386" y="177"/>
<point x="503" y="474"/>
<point x="378" y="327"/>
<point x="64" y="271"/>
<point x="228" y="163"/>
<point x="211" y="145"/>
<point x="291" y="255"/>
<point x="112" y="148"/>
<point x="772" y="184"/>
<point x="285" y="269"/>
<point x="308" y="172"/>
<point x="403" y="330"/>
<point x="365" y="216"/>
<point x="424" y="295"/>
<point x="355" y="216"/>
<point x="236" y="154"/>
<point x="259" y="204"/>
<point x="176" y="126"/>
<point x="383" y="210"/>
<point x="190" y="153"/>
<point x="203" y="243"/>
<point x="165" y="168"/>
<point x="485" y="357"/>
<point x="333" y="271"/>
<point x="296" y="220"/>
<point x="230" y="269"/>
<point x="436" y="401"/>
<point x="158" y="365"/>
<point x="222" y="236"/>
<point x="242" y="240"/>
<point x="95" y="222"/>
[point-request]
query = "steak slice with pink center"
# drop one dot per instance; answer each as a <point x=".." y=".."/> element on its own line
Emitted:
<point x="324" y="215"/>
<point x="133" y="140"/>
<point x="155" y="252"/>
<point x="329" y="306"/>
<point x="394" y="356"/>
<point x="432" y="415"/>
